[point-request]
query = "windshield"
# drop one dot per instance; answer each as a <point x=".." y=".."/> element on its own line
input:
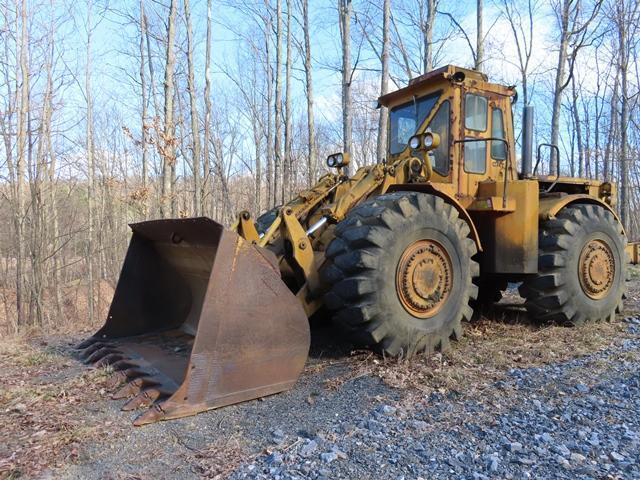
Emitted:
<point x="406" y="119"/>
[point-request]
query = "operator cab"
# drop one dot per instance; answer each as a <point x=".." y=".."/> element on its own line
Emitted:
<point x="465" y="111"/>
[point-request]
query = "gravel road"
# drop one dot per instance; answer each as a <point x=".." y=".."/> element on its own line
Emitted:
<point x="511" y="400"/>
<point x="577" y="419"/>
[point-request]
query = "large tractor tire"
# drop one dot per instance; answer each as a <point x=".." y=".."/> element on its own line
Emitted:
<point x="400" y="272"/>
<point x="582" y="268"/>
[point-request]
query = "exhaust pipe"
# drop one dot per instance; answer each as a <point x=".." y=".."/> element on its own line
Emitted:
<point x="527" y="140"/>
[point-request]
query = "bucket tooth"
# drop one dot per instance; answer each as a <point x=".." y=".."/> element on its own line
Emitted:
<point x="109" y="359"/>
<point x="144" y="399"/>
<point x="86" y="343"/>
<point x="115" y="380"/>
<point x="99" y="354"/>
<point x="131" y="388"/>
<point x="133" y="373"/>
<point x="122" y="364"/>
<point x="90" y="350"/>
<point x="154" y="414"/>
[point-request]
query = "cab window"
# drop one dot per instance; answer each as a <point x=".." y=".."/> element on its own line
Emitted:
<point x="475" y="154"/>
<point x="475" y="112"/>
<point x="440" y="124"/>
<point x="498" y="149"/>
<point x="406" y="119"/>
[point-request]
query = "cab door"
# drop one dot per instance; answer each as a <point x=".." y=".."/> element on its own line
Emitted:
<point x="475" y="154"/>
<point x="483" y="116"/>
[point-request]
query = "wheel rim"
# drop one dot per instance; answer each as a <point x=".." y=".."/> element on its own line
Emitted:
<point x="597" y="268"/>
<point x="424" y="278"/>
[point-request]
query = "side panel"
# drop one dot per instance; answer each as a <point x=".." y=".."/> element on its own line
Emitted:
<point x="510" y="239"/>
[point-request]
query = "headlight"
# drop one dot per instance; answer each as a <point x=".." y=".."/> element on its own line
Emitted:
<point x="337" y="160"/>
<point x="414" y="142"/>
<point x="428" y="140"/>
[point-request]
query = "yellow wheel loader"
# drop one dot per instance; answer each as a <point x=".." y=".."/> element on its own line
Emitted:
<point x="399" y="253"/>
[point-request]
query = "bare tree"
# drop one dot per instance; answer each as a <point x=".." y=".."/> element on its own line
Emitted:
<point x="345" y="9"/>
<point x="384" y="79"/>
<point x="90" y="165"/>
<point x="167" y="149"/>
<point x="195" y="120"/>
<point x="207" y="98"/>
<point x="575" y="34"/>
<point x="577" y="124"/>
<point x="271" y="190"/>
<point x="22" y="146"/>
<point x="288" y="161"/>
<point x="522" y="30"/>
<point x="627" y="23"/>
<point x="143" y="94"/>
<point x="311" y="131"/>
<point x="428" y="27"/>
<point x="278" y="107"/>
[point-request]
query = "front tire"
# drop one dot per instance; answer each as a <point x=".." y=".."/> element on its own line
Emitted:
<point x="582" y="268"/>
<point x="400" y="272"/>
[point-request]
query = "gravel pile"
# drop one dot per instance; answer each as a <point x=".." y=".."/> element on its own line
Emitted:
<point x="579" y="419"/>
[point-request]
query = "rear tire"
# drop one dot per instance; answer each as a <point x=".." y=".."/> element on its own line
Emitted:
<point x="400" y="273"/>
<point x="582" y="268"/>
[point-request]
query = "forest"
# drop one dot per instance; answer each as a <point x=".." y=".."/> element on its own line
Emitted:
<point x="112" y="112"/>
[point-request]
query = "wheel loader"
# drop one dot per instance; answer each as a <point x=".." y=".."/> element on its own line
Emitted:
<point x="399" y="255"/>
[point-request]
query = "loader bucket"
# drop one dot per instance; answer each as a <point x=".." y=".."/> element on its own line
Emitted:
<point x="200" y="319"/>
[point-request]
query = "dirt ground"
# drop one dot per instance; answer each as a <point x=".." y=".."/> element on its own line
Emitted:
<point x="57" y="419"/>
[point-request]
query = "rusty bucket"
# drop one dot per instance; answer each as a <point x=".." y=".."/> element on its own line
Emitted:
<point x="200" y="319"/>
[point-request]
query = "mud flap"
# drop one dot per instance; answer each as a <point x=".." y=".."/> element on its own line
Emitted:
<point x="200" y="319"/>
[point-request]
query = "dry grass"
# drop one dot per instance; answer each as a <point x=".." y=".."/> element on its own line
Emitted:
<point x="42" y="421"/>
<point x="218" y="460"/>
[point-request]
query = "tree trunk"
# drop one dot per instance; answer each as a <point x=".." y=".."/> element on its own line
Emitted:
<point x="143" y="93"/>
<point x="278" y="105"/>
<point x="22" y="145"/>
<point x="427" y="33"/>
<point x="288" y="162"/>
<point x="384" y="80"/>
<point x="578" y="127"/>
<point x="168" y="140"/>
<point x="311" y="129"/>
<point x="607" y="163"/>
<point x="90" y="168"/>
<point x="559" y="82"/>
<point x="195" y="121"/>
<point x="269" y="143"/>
<point x="623" y="64"/>
<point x="345" y="22"/>
<point x="207" y="103"/>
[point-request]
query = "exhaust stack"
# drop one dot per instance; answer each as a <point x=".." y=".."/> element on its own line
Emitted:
<point x="527" y="140"/>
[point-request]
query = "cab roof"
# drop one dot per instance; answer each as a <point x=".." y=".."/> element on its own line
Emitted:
<point x="448" y="72"/>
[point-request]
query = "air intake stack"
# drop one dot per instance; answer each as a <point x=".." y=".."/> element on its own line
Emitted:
<point x="527" y="140"/>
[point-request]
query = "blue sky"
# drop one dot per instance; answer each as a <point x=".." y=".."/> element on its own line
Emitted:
<point x="116" y="47"/>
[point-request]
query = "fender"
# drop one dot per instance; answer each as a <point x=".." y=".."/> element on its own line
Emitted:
<point x="434" y="190"/>
<point x="551" y="206"/>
